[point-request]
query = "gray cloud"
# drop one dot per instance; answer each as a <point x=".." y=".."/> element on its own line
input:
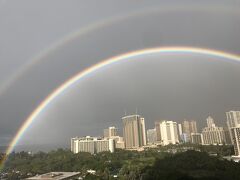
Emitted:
<point x="161" y="87"/>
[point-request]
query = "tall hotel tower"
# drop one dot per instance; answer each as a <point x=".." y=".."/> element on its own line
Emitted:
<point x="233" y="123"/>
<point x="188" y="127"/>
<point x="167" y="132"/>
<point x="134" y="131"/>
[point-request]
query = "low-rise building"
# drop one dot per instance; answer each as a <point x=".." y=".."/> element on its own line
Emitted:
<point x="56" y="176"/>
<point x="92" y="145"/>
<point x="119" y="142"/>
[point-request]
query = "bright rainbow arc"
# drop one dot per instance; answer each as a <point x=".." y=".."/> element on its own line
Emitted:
<point x="105" y="63"/>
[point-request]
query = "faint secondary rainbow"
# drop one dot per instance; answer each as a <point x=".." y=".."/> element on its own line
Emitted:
<point x="82" y="32"/>
<point x="123" y="57"/>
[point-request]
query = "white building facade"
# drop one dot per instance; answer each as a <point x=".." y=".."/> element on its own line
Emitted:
<point x="168" y="132"/>
<point x="213" y="134"/>
<point x="119" y="142"/>
<point x="92" y="145"/>
<point x="233" y="123"/>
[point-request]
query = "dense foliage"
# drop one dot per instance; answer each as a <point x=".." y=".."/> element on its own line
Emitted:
<point x="104" y="163"/>
<point x="192" y="165"/>
<point x="168" y="162"/>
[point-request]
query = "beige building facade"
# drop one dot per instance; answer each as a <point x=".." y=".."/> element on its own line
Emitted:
<point x="134" y="131"/>
<point x="233" y="123"/>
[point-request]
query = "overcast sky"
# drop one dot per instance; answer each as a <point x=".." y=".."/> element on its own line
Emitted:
<point x="169" y="86"/>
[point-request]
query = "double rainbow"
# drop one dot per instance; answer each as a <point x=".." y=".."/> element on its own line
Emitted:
<point x="123" y="57"/>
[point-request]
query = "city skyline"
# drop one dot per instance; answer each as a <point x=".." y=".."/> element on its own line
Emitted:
<point x="116" y="129"/>
<point x="137" y="137"/>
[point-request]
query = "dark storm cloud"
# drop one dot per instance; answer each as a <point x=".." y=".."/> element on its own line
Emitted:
<point x="216" y="29"/>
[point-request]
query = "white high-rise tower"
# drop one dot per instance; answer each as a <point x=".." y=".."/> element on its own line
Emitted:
<point x="167" y="131"/>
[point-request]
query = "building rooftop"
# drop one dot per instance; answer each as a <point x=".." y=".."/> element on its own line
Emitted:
<point x="55" y="176"/>
<point x="129" y="116"/>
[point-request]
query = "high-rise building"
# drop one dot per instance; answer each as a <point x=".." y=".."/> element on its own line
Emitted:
<point x="151" y="136"/>
<point x="213" y="134"/>
<point x="101" y="145"/>
<point x="193" y="127"/>
<point x="109" y="132"/>
<point x="185" y="138"/>
<point x="227" y="135"/>
<point x="158" y="132"/>
<point x="196" y="138"/>
<point x="111" y="145"/>
<point x="180" y="131"/>
<point x="168" y="132"/>
<point x="73" y="145"/>
<point x="188" y="127"/>
<point x="83" y="144"/>
<point x="134" y="131"/>
<point x="233" y="123"/>
<point x="92" y="145"/>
